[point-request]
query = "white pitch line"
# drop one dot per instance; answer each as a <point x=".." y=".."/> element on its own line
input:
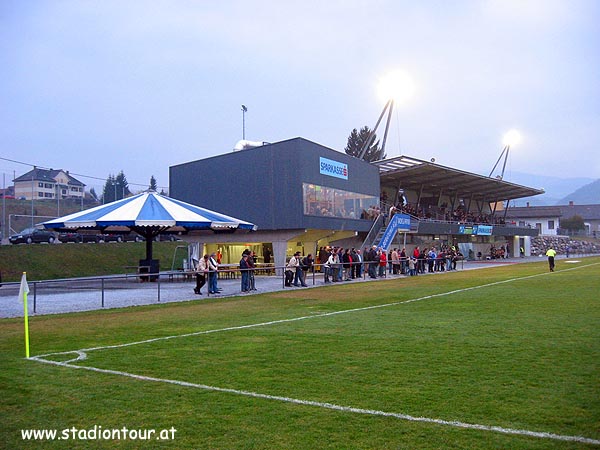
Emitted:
<point x="82" y="356"/>
<point x="331" y="406"/>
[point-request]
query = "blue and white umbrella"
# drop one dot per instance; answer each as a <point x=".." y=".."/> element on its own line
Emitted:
<point x="149" y="214"/>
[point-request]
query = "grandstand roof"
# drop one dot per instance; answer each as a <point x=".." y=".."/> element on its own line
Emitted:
<point x="414" y="174"/>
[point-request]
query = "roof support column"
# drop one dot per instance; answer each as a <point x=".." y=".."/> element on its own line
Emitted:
<point x="470" y="201"/>
<point x="494" y="210"/>
<point x="439" y="202"/>
<point x="279" y="254"/>
<point x="506" y="210"/>
<point x="480" y="206"/>
<point x="419" y="199"/>
<point x="453" y="204"/>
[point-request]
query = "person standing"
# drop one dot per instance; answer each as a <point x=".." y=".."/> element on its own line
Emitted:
<point x="359" y="264"/>
<point x="431" y="256"/>
<point x="355" y="263"/>
<point x="335" y="265"/>
<point x="329" y="264"/>
<point x="411" y="267"/>
<point x="373" y="262"/>
<point x="551" y="253"/>
<point x="289" y="273"/>
<point x="340" y="257"/>
<point x="382" y="256"/>
<point x="323" y="256"/>
<point x="201" y="271"/>
<point x="267" y="255"/>
<point x="245" y="269"/>
<point x="403" y="261"/>
<point x="347" y="265"/>
<point x="295" y="264"/>
<point x="252" y="259"/>
<point x="267" y="258"/>
<point x="308" y="265"/>
<point x="395" y="260"/>
<point x="213" y="267"/>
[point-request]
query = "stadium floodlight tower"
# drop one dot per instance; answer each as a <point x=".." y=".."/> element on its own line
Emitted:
<point x="396" y="87"/>
<point x="512" y="137"/>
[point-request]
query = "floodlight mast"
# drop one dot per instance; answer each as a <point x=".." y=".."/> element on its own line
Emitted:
<point x="504" y="152"/>
<point x="371" y="136"/>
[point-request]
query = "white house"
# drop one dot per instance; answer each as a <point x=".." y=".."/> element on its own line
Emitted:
<point x="547" y="218"/>
<point x="48" y="184"/>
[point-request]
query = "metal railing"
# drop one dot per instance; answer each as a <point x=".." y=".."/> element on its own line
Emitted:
<point x="374" y="231"/>
<point x="152" y="287"/>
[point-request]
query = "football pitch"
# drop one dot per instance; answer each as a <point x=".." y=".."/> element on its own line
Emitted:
<point x="505" y="357"/>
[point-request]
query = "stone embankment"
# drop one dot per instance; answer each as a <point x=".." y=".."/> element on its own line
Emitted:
<point x="540" y="244"/>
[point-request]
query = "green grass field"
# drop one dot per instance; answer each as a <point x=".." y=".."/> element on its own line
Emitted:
<point x="505" y="357"/>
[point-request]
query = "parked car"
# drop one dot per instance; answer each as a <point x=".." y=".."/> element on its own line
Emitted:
<point x="167" y="237"/>
<point x="32" y="235"/>
<point x="121" y="237"/>
<point x="72" y="236"/>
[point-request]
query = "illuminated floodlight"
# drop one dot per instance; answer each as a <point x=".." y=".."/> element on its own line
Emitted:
<point x="512" y="137"/>
<point x="397" y="86"/>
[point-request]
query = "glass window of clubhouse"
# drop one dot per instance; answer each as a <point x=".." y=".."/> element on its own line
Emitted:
<point x="331" y="202"/>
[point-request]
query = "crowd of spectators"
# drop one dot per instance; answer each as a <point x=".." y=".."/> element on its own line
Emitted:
<point x="442" y="213"/>
<point x="425" y="213"/>
<point x="345" y="264"/>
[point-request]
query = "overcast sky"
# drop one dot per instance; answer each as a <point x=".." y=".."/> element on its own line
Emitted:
<point x="96" y="87"/>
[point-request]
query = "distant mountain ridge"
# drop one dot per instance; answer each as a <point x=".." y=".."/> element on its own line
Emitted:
<point x="558" y="191"/>
<point x="585" y="195"/>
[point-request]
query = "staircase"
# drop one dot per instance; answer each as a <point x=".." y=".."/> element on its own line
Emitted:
<point x="378" y="230"/>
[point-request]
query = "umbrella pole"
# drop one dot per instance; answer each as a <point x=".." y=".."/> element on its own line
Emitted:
<point x="149" y="239"/>
<point x="152" y="265"/>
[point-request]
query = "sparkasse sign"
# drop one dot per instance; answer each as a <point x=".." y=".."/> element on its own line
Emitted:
<point x="333" y="168"/>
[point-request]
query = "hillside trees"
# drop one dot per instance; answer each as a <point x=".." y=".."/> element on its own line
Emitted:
<point x="115" y="188"/>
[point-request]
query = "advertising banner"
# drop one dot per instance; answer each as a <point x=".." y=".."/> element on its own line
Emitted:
<point x="476" y="230"/>
<point x="398" y="222"/>
<point x="482" y="230"/>
<point x="333" y="168"/>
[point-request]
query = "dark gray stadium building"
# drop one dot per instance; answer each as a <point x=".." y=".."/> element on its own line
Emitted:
<point x="303" y="196"/>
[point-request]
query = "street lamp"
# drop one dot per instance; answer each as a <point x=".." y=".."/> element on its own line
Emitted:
<point x="244" y="111"/>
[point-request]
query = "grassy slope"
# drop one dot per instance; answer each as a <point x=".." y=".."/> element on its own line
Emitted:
<point x="46" y="262"/>
<point x="522" y="355"/>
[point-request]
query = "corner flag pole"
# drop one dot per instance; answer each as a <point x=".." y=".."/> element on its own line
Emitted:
<point x="23" y="291"/>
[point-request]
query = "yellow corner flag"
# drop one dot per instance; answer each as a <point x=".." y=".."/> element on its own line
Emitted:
<point x="23" y="291"/>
